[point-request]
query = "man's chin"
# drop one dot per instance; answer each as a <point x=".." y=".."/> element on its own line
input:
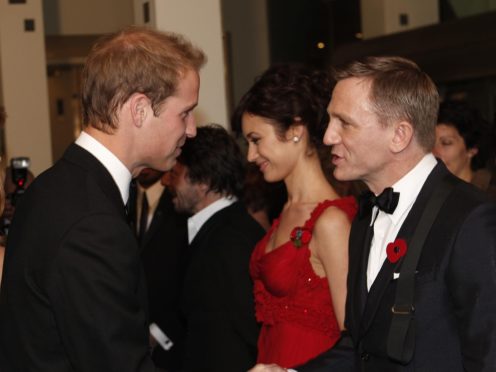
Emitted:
<point x="169" y="164"/>
<point x="341" y="175"/>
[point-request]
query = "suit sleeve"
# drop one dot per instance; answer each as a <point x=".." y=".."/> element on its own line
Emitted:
<point x="237" y="330"/>
<point x="471" y="279"/>
<point x="340" y="358"/>
<point x="98" y="299"/>
<point x="239" y="287"/>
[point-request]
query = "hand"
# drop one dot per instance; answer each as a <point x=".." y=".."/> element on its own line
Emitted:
<point x="267" y="368"/>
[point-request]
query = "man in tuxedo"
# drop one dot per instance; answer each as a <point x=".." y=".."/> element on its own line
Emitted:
<point x="217" y="298"/>
<point x="73" y="294"/>
<point x="382" y="128"/>
<point x="163" y="239"/>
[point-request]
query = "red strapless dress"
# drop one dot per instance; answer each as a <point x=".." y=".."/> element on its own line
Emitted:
<point x="293" y="304"/>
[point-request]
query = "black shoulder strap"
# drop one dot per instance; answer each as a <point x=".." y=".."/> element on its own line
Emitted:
<point x="401" y="338"/>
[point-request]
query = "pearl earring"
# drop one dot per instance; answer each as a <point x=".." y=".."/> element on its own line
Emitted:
<point x="296" y="139"/>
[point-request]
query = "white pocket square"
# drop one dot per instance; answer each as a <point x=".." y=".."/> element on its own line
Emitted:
<point x="397" y="275"/>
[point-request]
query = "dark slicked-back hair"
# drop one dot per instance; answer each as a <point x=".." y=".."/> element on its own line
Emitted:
<point x="286" y="92"/>
<point x="214" y="158"/>
<point x="472" y="127"/>
<point x="400" y="90"/>
<point x="134" y="60"/>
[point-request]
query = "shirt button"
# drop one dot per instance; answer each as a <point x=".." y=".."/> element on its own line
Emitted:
<point x="365" y="356"/>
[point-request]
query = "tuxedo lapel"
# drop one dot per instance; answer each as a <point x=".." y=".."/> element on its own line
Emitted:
<point x="357" y="277"/>
<point x="406" y="232"/>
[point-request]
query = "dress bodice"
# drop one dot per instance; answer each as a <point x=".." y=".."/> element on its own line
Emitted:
<point x="286" y="288"/>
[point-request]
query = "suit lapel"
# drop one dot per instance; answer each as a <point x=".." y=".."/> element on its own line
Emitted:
<point x="156" y="221"/>
<point x="406" y="232"/>
<point x="77" y="155"/>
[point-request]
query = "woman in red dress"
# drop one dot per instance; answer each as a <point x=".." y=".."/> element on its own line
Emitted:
<point x="299" y="268"/>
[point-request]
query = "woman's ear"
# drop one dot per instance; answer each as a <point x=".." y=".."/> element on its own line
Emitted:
<point x="295" y="132"/>
<point x="402" y="136"/>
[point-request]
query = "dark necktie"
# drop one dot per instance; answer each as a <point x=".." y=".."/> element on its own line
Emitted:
<point x="130" y="206"/>
<point x="143" y="217"/>
<point x="385" y="201"/>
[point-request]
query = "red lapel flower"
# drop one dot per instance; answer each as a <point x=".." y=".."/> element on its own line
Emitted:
<point x="396" y="250"/>
<point x="300" y="236"/>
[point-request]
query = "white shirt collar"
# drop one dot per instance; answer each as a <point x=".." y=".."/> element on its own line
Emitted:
<point x="387" y="226"/>
<point x="409" y="186"/>
<point x="196" y="221"/>
<point x="114" y="166"/>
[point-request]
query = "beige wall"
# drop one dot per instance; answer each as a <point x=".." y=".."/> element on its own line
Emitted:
<point x="82" y="17"/>
<point x="381" y="17"/>
<point x="24" y="85"/>
<point x="200" y="21"/>
<point x="245" y="23"/>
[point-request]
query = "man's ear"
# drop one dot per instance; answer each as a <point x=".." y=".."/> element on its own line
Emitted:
<point x="139" y="106"/>
<point x="402" y="136"/>
<point x="204" y="188"/>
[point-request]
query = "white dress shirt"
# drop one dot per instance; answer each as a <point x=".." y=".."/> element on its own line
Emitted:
<point x="387" y="226"/>
<point x="118" y="171"/>
<point x="196" y="221"/>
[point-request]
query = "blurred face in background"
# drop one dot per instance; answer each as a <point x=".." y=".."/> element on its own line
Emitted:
<point x="450" y="147"/>
<point x="186" y="195"/>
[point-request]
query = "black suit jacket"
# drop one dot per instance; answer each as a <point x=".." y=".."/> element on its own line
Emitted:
<point x="163" y="253"/>
<point x="455" y="287"/>
<point x="73" y="295"/>
<point x="218" y="294"/>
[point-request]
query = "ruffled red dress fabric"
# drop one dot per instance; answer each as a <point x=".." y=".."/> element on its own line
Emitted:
<point x="293" y="304"/>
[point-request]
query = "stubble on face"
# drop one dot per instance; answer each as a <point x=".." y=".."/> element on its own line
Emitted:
<point x="186" y="195"/>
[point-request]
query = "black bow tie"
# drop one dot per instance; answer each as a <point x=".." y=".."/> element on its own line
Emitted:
<point x="385" y="201"/>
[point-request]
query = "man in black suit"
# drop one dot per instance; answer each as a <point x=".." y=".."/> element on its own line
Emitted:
<point x="436" y="312"/>
<point x="73" y="294"/>
<point x="163" y="239"/>
<point x="217" y="298"/>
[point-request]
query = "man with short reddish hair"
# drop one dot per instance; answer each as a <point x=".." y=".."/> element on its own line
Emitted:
<point x="73" y="295"/>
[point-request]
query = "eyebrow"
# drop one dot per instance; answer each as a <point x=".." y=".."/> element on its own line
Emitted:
<point x="342" y="117"/>
<point x="190" y="107"/>
<point x="251" y="134"/>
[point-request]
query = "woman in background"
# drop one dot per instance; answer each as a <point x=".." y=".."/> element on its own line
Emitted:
<point x="465" y="144"/>
<point x="299" y="268"/>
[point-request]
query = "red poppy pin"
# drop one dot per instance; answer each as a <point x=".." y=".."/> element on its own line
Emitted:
<point x="396" y="250"/>
<point x="300" y="236"/>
